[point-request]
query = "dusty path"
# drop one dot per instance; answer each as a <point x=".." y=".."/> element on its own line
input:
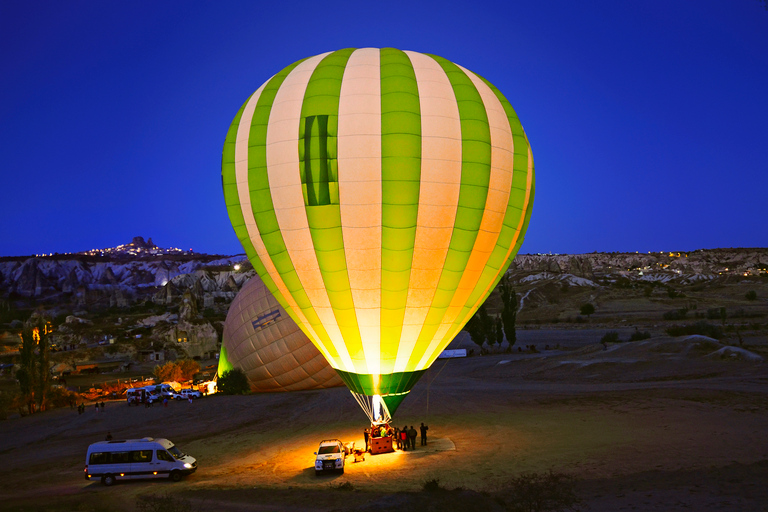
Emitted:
<point x="649" y="439"/>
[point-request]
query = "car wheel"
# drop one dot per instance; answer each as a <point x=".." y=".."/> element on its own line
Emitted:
<point x="175" y="476"/>
<point x="341" y="471"/>
<point x="108" y="480"/>
<point x="318" y="473"/>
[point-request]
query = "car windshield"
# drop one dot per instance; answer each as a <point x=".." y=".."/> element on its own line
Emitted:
<point x="176" y="452"/>
<point x="328" y="449"/>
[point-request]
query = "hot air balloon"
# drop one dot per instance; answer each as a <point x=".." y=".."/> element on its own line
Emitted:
<point x="263" y="341"/>
<point x="381" y="195"/>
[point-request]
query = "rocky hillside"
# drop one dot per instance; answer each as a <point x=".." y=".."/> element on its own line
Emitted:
<point x="649" y="266"/>
<point x="135" y="297"/>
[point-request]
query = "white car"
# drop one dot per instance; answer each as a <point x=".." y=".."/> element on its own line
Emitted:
<point x="330" y="456"/>
<point x="185" y="394"/>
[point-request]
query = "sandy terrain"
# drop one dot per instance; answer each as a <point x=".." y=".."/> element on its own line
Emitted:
<point x="664" y="424"/>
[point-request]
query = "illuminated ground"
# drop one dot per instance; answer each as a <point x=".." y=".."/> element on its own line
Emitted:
<point x="660" y="425"/>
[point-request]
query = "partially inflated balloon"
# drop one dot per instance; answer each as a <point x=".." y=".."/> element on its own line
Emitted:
<point x="262" y="340"/>
<point x="380" y="195"/>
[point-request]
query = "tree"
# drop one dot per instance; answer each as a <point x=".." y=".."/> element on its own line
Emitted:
<point x="34" y="375"/>
<point x="168" y="372"/>
<point x="475" y="329"/>
<point x="234" y="382"/>
<point x="509" y="311"/>
<point x="587" y="309"/>
<point x="488" y="326"/>
<point x="43" y="367"/>
<point x="188" y="368"/>
<point x="499" y="331"/>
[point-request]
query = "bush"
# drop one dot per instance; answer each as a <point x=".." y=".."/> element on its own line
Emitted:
<point x="751" y="295"/>
<point x="234" y="382"/>
<point x="610" y="337"/>
<point x="547" y="492"/>
<point x="8" y="399"/>
<point x="432" y="485"/>
<point x="674" y="294"/>
<point x="163" y="503"/>
<point x="587" y="309"/>
<point x="639" y="336"/>
<point x="677" y="314"/>
<point x="717" y="314"/>
<point x="701" y="328"/>
<point x="344" y="486"/>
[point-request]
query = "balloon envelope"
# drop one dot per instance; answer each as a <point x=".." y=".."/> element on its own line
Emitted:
<point x="380" y="195"/>
<point x="262" y="340"/>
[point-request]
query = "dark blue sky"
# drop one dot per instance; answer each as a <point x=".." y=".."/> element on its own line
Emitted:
<point x="647" y="120"/>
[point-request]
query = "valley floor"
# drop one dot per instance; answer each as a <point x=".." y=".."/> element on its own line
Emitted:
<point x="654" y="425"/>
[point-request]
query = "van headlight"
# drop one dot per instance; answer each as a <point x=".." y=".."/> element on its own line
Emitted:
<point x="188" y="465"/>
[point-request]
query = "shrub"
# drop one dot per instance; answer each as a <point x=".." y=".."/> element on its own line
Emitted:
<point x="8" y="399"/>
<point x="751" y="295"/>
<point x="717" y="314"/>
<point x="234" y="382"/>
<point x="677" y="314"/>
<point x="432" y="485"/>
<point x="674" y="294"/>
<point x="587" y="309"/>
<point x="701" y="328"/>
<point x="547" y="492"/>
<point x="610" y="337"/>
<point x="344" y="486"/>
<point x="639" y="336"/>
<point x="163" y="503"/>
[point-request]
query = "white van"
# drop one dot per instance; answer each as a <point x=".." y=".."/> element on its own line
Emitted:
<point x="167" y="389"/>
<point x="137" y="458"/>
<point x="136" y="396"/>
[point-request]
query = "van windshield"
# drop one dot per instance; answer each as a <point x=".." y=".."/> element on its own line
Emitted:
<point x="176" y="452"/>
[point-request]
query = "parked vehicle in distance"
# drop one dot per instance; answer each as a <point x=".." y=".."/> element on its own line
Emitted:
<point x="136" y="396"/>
<point x="330" y="456"/>
<point x="207" y="387"/>
<point x="185" y="394"/>
<point x="137" y="458"/>
<point x="167" y="389"/>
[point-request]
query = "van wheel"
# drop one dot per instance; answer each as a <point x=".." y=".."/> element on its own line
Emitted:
<point x="341" y="471"/>
<point x="175" y="476"/>
<point x="108" y="480"/>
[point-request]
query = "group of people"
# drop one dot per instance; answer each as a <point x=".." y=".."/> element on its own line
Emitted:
<point x="404" y="438"/>
<point x="99" y="407"/>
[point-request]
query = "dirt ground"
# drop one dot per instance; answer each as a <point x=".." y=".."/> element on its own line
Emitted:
<point x="663" y="424"/>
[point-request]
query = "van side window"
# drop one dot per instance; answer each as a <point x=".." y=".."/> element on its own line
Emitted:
<point x="142" y="456"/>
<point x="164" y="455"/>
<point x="120" y="457"/>
<point x="98" y="458"/>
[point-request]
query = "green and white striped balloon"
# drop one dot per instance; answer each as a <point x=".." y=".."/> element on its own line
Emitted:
<point x="381" y="195"/>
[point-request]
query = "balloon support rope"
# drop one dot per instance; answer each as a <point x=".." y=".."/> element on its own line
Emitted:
<point x="366" y="404"/>
<point x="429" y="385"/>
